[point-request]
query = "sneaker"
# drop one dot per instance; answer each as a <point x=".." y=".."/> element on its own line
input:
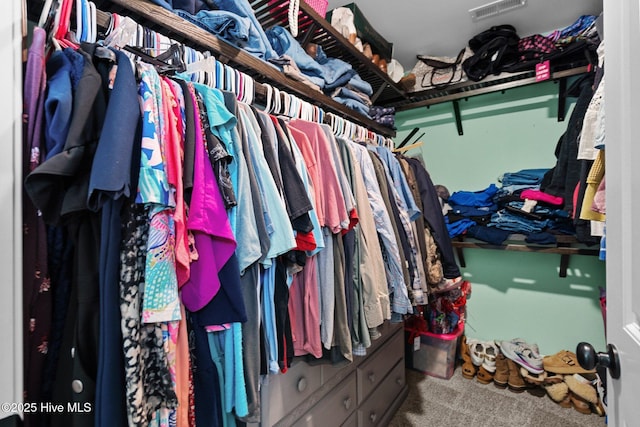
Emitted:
<point x="490" y="353"/>
<point x="476" y="351"/>
<point x="523" y="354"/>
<point x="601" y="407"/>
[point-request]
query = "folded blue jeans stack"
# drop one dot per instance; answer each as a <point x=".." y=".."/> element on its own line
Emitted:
<point x="328" y="74"/>
<point x="353" y="99"/>
<point x="284" y="44"/>
<point x="530" y="177"/>
<point x="334" y="76"/>
<point x="512" y="222"/>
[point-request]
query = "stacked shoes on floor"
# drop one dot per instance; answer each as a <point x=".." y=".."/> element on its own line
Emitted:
<point x="519" y="366"/>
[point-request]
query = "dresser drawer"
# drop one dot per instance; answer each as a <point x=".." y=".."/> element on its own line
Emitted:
<point x="330" y="371"/>
<point x="352" y="421"/>
<point x="373" y="371"/>
<point x="334" y="408"/>
<point x="284" y="392"/>
<point x="374" y="409"/>
<point x="386" y="330"/>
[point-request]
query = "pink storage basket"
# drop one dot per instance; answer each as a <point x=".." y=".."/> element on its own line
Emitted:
<point x="320" y="6"/>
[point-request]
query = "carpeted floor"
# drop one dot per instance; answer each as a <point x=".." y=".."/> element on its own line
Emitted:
<point x="459" y="402"/>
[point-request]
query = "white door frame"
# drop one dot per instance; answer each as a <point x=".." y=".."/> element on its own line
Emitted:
<point x="11" y="387"/>
<point x="622" y="121"/>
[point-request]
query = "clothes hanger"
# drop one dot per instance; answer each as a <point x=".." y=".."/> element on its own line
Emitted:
<point x="286" y="104"/>
<point x="408" y="147"/>
<point x="63" y="33"/>
<point x="201" y="67"/>
<point x="295" y="107"/>
<point x="113" y="22"/>
<point x="79" y="20"/>
<point x="230" y="81"/>
<point x="277" y="101"/>
<point x="306" y="111"/>
<point x="161" y="62"/>
<point x="47" y="15"/>
<point x="237" y="87"/>
<point x="249" y="89"/>
<point x="339" y="126"/>
<point x="125" y="31"/>
<point x="49" y="19"/>
<point x="268" y="96"/>
<point x="201" y="75"/>
<point x="93" y="22"/>
<point x="333" y="120"/>
<point x="290" y="106"/>
<point x="241" y="86"/>
<point x="219" y="75"/>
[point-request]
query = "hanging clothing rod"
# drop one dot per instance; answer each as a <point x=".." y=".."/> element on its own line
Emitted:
<point x="261" y="91"/>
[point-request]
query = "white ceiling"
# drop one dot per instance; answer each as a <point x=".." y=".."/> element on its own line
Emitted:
<point x="442" y="28"/>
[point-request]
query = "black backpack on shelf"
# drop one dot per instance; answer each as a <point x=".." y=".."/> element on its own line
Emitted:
<point x="493" y="50"/>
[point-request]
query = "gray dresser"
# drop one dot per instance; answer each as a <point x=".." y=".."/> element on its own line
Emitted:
<point x="366" y="392"/>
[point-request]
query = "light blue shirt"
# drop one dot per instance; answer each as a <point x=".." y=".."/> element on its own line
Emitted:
<point x="279" y="227"/>
<point x="281" y="232"/>
<point x="393" y="267"/>
<point x="401" y="194"/>
<point x="399" y="181"/>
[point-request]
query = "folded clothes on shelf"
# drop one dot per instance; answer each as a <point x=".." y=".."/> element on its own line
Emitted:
<point x="386" y="116"/>
<point x="231" y="20"/>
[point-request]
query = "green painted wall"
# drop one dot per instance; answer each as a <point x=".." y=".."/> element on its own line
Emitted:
<point x="514" y="294"/>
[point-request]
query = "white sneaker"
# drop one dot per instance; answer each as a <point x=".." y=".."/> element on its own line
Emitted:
<point x="524" y="354"/>
<point x="490" y="353"/>
<point x="477" y="351"/>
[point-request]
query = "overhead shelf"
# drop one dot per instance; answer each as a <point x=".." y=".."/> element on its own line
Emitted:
<point x="565" y="246"/>
<point x="468" y="89"/>
<point x="313" y="28"/>
<point x="165" y="22"/>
